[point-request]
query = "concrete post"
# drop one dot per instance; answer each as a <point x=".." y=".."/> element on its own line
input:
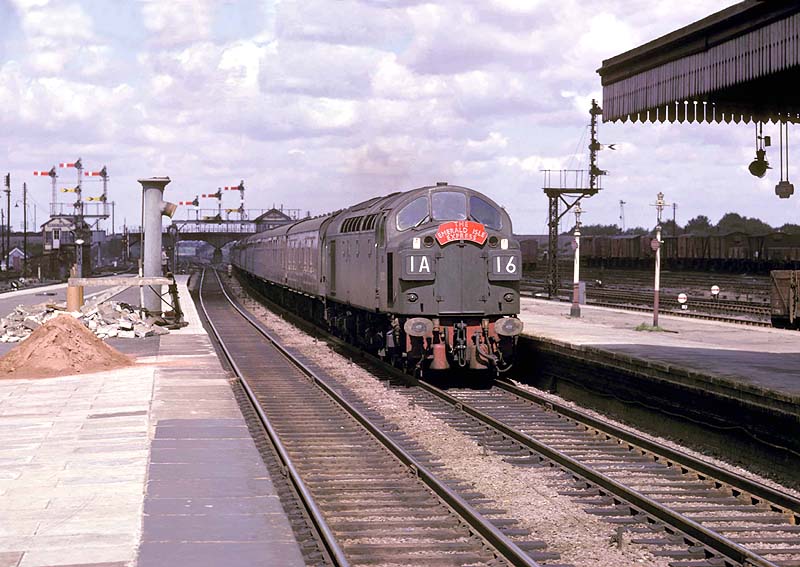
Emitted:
<point x="154" y="207"/>
<point x="74" y="293"/>
<point x="575" y="310"/>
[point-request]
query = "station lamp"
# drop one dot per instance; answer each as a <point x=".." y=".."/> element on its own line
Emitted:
<point x="784" y="189"/>
<point x="760" y="165"/>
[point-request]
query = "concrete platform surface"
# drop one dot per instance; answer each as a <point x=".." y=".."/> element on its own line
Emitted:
<point x="149" y="465"/>
<point x="754" y="357"/>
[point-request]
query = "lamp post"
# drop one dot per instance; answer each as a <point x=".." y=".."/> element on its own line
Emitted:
<point x="7" y="229"/>
<point x="8" y="215"/>
<point x="24" y="228"/>
<point x="655" y="244"/>
<point x="575" y="310"/>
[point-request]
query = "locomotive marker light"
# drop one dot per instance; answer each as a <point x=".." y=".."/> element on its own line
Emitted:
<point x="656" y="246"/>
<point x="575" y="310"/>
<point x="682" y="299"/>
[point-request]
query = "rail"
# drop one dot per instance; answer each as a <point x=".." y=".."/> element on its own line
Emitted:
<point x="505" y="547"/>
<point x="326" y="535"/>
<point x="691" y="528"/>
<point x="717" y="544"/>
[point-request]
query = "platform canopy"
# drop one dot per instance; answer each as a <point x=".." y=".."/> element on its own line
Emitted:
<point x="740" y="64"/>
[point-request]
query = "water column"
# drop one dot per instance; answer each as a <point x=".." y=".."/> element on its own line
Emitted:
<point x="153" y="208"/>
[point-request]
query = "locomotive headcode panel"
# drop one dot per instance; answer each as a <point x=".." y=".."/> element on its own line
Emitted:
<point x="428" y="278"/>
<point x="418" y="266"/>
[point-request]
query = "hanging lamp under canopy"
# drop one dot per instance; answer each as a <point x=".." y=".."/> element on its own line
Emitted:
<point x="741" y="64"/>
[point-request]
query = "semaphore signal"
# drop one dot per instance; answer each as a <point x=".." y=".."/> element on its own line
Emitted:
<point x="57" y="209"/>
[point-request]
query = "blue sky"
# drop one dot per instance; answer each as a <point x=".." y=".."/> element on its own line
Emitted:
<point x="318" y="104"/>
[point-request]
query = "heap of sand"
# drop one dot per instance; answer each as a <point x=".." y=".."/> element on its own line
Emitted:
<point x="61" y="347"/>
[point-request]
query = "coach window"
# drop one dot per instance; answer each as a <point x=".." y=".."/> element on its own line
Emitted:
<point x="449" y="205"/>
<point x="485" y="213"/>
<point x="413" y="214"/>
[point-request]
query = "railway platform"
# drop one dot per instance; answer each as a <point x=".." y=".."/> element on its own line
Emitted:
<point x="711" y="372"/>
<point x="148" y="465"/>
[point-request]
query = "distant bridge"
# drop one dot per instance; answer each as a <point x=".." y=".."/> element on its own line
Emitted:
<point x="216" y="233"/>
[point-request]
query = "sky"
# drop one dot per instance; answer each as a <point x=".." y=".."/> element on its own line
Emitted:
<point x="319" y="104"/>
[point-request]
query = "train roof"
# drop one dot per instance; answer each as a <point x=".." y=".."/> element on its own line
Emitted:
<point x="372" y="205"/>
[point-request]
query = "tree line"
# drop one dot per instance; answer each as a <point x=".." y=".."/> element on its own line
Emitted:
<point x="699" y="226"/>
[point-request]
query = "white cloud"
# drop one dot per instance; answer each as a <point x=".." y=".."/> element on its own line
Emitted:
<point x="25" y="5"/>
<point x="370" y="96"/>
<point x="494" y="141"/>
<point x="242" y="62"/>
<point x="67" y="22"/>
<point x="391" y="80"/>
<point x="178" y="21"/>
<point x="328" y="113"/>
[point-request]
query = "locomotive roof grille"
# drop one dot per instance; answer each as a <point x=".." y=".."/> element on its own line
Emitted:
<point x="360" y="223"/>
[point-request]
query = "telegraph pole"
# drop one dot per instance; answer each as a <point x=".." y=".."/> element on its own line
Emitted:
<point x="8" y="220"/>
<point x="622" y="215"/>
<point x="674" y="226"/>
<point x="25" y="229"/>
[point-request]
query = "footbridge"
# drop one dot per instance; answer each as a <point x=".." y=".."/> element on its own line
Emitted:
<point x="217" y="234"/>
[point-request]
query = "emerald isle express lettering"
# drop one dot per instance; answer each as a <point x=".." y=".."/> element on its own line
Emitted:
<point x="461" y="230"/>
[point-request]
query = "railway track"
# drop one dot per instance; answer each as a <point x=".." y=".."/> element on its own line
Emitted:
<point x="692" y="315"/>
<point x="744" y="299"/>
<point x="372" y="501"/>
<point x="694" y="513"/>
<point x="734" y="287"/>
<point x="749" y="314"/>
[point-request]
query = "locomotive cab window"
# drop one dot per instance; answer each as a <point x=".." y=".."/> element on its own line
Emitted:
<point x="413" y="214"/>
<point x="448" y="205"/>
<point x="484" y="213"/>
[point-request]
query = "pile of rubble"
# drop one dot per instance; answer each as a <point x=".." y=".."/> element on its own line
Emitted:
<point x="106" y="319"/>
<point x="61" y="346"/>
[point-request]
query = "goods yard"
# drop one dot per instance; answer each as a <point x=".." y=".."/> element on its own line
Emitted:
<point x="403" y="380"/>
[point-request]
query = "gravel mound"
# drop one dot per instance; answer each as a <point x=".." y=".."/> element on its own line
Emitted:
<point x="60" y="347"/>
